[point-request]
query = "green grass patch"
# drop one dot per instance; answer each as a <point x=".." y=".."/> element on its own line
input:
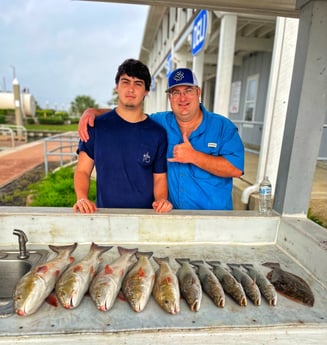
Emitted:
<point x="57" y="189"/>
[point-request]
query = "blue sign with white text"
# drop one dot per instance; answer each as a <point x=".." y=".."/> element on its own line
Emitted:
<point x="199" y="31"/>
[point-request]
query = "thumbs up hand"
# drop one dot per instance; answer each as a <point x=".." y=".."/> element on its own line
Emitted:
<point x="182" y="153"/>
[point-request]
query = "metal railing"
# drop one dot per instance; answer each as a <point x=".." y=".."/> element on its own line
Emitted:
<point x="63" y="146"/>
<point x="13" y="133"/>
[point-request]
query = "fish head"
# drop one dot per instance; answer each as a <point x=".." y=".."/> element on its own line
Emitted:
<point x="69" y="292"/>
<point x="103" y="297"/>
<point x="169" y="301"/>
<point x="27" y="295"/>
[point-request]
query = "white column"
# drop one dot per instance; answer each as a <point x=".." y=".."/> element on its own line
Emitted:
<point x="277" y="98"/>
<point x="225" y="63"/>
<point x="198" y="65"/>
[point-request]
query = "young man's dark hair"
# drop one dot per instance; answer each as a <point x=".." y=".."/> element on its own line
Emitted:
<point x="134" y="68"/>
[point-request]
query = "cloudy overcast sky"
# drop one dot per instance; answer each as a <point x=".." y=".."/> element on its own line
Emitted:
<point x="59" y="49"/>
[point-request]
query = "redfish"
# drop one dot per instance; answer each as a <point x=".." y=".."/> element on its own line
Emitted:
<point x="166" y="288"/>
<point x="190" y="285"/>
<point x="106" y="284"/>
<point x="73" y="284"/>
<point x="138" y="282"/>
<point x="36" y="285"/>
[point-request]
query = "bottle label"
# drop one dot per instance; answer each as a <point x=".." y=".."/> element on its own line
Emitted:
<point x="265" y="190"/>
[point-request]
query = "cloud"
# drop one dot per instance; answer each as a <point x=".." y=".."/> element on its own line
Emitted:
<point x="61" y="49"/>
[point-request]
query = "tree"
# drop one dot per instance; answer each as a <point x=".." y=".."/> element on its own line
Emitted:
<point x="81" y="103"/>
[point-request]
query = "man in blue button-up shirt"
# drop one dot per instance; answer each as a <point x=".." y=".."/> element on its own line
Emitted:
<point x="205" y="151"/>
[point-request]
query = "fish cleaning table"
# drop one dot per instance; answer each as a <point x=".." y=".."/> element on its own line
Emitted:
<point x="230" y="237"/>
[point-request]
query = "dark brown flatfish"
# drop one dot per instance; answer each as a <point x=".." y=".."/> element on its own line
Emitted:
<point x="290" y="285"/>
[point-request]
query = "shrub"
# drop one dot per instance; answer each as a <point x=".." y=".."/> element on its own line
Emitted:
<point x="2" y="118"/>
<point x="57" y="189"/>
<point x="54" y="120"/>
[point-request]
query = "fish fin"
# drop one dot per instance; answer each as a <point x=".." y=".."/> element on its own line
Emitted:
<point x="182" y="260"/>
<point x="52" y="300"/>
<point x="146" y="254"/>
<point x="108" y="269"/>
<point x="78" y="268"/>
<point x="121" y="296"/>
<point x="58" y="249"/>
<point x="161" y="260"/>
<point x="122" y="250"/>
<point x="43" y="269"/>
<point x="271" y="265"/>
<point x="213" y="263"/>
<point x="99" y="248"/>
<point x="169" y="280"/>
<point x="57" y="273"/>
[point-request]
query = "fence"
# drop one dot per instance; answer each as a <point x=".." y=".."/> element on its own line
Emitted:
<point x="63" y="146"/>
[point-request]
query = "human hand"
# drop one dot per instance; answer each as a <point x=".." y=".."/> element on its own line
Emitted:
<point x="84" y="206"/>
<point x="162" y="205"/>
<point x="86" y="119"/>
<point x="182" y="152"/>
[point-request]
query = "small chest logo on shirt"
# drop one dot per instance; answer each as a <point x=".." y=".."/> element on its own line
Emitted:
<point x="214" y="145"/>
<point x="146" y="157"/>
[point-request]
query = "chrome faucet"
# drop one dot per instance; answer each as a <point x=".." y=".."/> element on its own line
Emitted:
<point x="22" y="239"/>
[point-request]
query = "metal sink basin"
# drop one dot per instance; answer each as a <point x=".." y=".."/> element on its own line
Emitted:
<point x="12" y="269"/>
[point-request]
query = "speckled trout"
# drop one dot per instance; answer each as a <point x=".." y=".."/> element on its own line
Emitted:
<point x="74" y="282"/>
<point x="266" y="288"/>
<point x="106" y="284"/>
<point x="36" y="285"/>
<point x="249" y="285"/>
<point x="230" y="285"/>
<point x="166" y="288"/>
<point x="190" y="285"/>
<point x="210" y="283"/>
<point x="138" y="282"/>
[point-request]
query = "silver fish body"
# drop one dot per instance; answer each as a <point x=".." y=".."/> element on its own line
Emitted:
<point x="166" y="287"/>
<point x="73" y="284"/>
<point x="36" y="285"/>
<point x="106" y="284"/>
<point x="190" y="285"/>
<point x="138" y="282"/>
<point x="267" y="289"/>
<point x="230" y="285"/>
<point x="249" y="285"/>
<point x="210" y="283"/>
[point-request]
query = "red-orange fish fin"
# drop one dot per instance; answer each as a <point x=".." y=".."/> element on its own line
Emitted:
<point x="52" y="300"/>
<point x="108" y="269"/>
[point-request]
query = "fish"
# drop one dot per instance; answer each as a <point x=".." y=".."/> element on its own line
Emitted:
<point x="230" y="285"/>
<point x="190" y="285"/>
<point x="166" y="287"/>
<point x="290" y="285"/>
<point x="106" y="285"/>
<point x="249" y="285"/>
<point x="138" y="283"/>
<point x="210" y="283"/>
<point x="74" y="282"/>
<point x="36" y="285"/>
<point x="267" y="290"/>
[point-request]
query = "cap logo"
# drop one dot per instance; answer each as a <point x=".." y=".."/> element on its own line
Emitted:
<point x="179" y="76"/>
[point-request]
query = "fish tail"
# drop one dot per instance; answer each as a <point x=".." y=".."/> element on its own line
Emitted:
<point x="182" y="260"/>
<point x="58" y="249"/>
<point x="213" y="263"/>
<point x="123" y="250"/>
<point x="101" y="249"/>
<point x="146" y="254"/>
<point x="161" y="260"/>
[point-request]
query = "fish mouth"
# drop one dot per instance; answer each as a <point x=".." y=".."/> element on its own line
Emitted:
<point x="195" y="306"/>
<point x="102" y="308"/>
<point x="21" y="312"/>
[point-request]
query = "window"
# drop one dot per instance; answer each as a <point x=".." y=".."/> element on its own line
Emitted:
<point x="251" y="97"/>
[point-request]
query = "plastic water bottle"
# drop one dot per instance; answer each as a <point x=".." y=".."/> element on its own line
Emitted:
<point x="265" y="202"/>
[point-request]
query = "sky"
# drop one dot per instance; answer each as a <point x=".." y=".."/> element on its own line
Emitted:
<point x="60" y="49"/>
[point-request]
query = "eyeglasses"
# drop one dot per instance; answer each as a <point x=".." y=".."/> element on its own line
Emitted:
<point x="190" y="91"/>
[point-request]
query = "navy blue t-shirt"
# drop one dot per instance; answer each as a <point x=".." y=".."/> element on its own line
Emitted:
<point x="126" y="155"/>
